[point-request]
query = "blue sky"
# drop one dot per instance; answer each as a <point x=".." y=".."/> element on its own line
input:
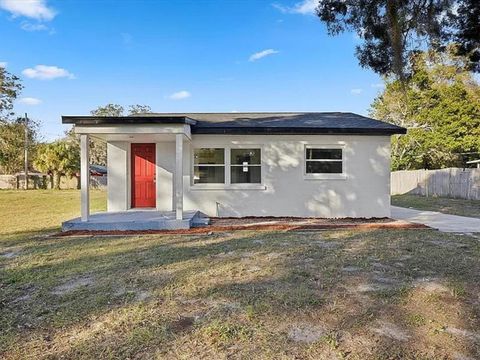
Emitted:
<point x="179" y="56"/>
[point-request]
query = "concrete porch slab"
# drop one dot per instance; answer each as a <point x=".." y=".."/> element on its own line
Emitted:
<point x="137" y="220"/>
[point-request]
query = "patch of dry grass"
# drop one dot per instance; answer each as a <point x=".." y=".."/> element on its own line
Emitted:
<point x="280" y="295"/>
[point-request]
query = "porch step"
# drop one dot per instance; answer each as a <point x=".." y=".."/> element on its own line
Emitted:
<point x="137" y="221"/>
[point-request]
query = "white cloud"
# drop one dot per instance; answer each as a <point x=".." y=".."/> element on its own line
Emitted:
<point x="30" y="101"/>
<point x="305" y="7"/>
<point x="356" y="91"/>
<point x="262" y="54"/>
<point x="3" y="64"/>
<point x="44" y="72"/>
<point x="35" y="9"/>
<point x="180" y="95"/>
<point x="378" y="85"/>
<point x="27" y="26"/>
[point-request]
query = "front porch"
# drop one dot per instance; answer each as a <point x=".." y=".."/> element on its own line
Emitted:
<point x="142" y="195"/>
<point x="136" y="220"/>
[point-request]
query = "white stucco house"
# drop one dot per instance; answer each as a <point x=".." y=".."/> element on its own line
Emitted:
<point x="176" y="166"/>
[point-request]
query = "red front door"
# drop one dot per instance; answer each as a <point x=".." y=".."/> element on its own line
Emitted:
<point x="143" y="175"/>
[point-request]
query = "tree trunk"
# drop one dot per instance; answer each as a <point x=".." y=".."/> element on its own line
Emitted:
<point x="57" y="181"/>
<point x="395" y="34"/>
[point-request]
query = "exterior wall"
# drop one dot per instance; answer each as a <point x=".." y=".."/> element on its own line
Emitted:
<point x="118" y="172"/>
<point x="285" y="191"/>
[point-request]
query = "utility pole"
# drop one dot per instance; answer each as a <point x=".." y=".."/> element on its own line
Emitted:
<point x="26" y="151"/>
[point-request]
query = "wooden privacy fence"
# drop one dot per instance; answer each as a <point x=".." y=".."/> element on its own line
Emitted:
<point x="452" y="183"/>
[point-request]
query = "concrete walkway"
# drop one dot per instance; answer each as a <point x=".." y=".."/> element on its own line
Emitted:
<point x="436" y="220"/>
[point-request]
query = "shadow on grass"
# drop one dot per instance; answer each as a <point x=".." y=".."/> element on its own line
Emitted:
<point x="265" y="283"/>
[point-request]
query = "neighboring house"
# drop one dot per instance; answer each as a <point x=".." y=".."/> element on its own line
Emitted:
<point x="331" y="165"/>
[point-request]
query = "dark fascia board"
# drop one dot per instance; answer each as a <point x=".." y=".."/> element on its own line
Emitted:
<point x="296" y="131"/>
<point x="122" y="120"/>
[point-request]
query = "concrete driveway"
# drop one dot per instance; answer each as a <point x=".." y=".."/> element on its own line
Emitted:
<point x="436" y="220"/>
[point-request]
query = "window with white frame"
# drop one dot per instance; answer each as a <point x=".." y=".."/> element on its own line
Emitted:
<point x="323" y="160"/>
<point x="209" y="166"/>
<point x="227" y="166"/>
<point x="245" y="166"/>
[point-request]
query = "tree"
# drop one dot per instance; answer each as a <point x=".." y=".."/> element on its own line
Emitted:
<point x="440" y="106"/>
<point x="59" y="158"/>
<point x="108" y="110"/>
<point x="10" y="88"/>
<point x="12" y="144"/>
<point x="394" y="30"/>
<point x="139" y="109"/>
<point x="467" y="31"/>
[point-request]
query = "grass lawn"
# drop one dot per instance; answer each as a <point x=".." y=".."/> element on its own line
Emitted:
<point x="447" y="206"/>
<point x="378" y="294"/>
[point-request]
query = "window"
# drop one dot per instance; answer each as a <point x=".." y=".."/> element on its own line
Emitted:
<point x="209" y="166"/>
<point x="230" y="167"/>
<point x="323" y="160"/>
<point x="245" y="166"/>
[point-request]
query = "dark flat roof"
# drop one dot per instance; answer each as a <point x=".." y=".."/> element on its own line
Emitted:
<point x="254" y="123"/>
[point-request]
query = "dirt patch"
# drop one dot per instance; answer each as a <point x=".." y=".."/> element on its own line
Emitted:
<point x="267" y="224"/>
<point x="73" y="285"/>
<point x="182" y="324"/>
<point x="306" y="333"/>
<point x="388" y="329"/>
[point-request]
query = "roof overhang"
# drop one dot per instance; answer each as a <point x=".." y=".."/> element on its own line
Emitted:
<point x="123" y="120"/>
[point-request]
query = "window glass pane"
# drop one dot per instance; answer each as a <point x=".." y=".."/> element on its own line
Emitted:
<point x="324" y="154"/>
<point x="324" y="167"/>
<point x="209" y="156"/>
<point x="209" y="175"/>
<point x="250" y="156"/>
<point x="246" y="174"/>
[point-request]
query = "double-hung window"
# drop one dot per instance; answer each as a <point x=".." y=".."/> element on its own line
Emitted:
<point x="245" y="166"/>
<point x="209" y="166"/>
<point x="323" y="161"/>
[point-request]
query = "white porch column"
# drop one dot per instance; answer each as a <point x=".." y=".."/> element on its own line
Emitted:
<point x="179" y="176"/>
<point x="84" y="177"/>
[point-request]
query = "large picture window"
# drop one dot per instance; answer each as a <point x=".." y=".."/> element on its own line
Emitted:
<point x="209" y="166"/>
<point x="323" y="160"/>
<point x="245" y="166"/>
